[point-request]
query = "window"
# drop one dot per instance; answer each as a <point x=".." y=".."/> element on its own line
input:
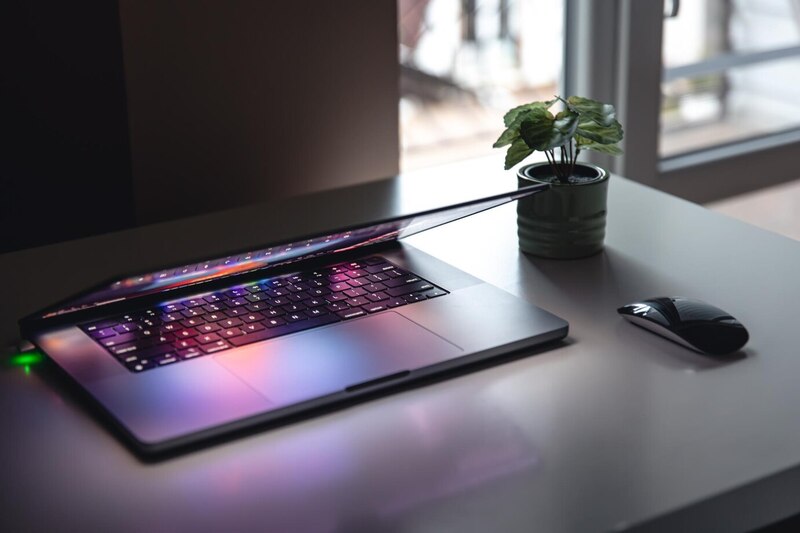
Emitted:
<point x="464" y="63"/>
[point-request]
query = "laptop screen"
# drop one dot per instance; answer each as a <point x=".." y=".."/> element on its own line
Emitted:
<point x="332" y="243"/>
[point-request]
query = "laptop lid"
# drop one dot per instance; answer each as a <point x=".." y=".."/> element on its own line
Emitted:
<point x="171" y="279"/>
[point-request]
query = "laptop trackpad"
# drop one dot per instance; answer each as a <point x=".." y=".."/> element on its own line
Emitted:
<point x="326" y="360"/>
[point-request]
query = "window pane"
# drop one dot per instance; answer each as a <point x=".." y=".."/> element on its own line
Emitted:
<point x="464" y="63"/>
<point x="730" y="69"/>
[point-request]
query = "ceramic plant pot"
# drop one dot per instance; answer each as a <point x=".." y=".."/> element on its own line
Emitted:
<point x="568" y="221"/>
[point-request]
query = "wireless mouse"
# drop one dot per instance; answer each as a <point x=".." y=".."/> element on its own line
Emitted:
<point x="691" y="323"/>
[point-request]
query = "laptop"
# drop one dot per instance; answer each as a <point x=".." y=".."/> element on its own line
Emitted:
<point x="196" y="351"/>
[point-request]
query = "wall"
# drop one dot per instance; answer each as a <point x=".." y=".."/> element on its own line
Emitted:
<point x="64" y="159"/>
<point x="114" y="114"/>
<point x="244" y="100"/>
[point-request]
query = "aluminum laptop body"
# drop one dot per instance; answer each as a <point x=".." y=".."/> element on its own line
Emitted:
<point x="275" y="332"/>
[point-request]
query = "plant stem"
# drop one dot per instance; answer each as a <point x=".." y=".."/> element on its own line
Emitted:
<point x="573" y="157"/>
<point x="552" y="163"/>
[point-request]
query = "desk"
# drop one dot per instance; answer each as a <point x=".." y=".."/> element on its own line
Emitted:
<point x="616" y="429"/>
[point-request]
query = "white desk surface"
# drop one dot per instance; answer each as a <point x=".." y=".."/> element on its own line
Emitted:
<point x="615" y="429"/>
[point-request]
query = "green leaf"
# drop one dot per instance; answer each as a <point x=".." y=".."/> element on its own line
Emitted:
<point x="516" y="153"/>
<point x="507" y="137"/>
<point x="588" y="109"/>
<point x="612" y="149"/>
<point x="543" y="131"/>
<point x="512" y="114"/>
<point x="600" y="134"/>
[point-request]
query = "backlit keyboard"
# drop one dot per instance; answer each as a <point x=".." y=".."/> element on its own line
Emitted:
<point x="243" y="314"/>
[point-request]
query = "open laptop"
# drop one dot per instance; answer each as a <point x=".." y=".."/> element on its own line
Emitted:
<point x="195" y="351"/>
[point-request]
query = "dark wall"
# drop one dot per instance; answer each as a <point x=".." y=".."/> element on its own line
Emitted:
<point x="238" y="100"/>
<point x="114" y="114"/>
<point x="64" y="158"/>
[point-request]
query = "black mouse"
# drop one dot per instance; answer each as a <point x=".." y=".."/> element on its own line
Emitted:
<point x="692" y="323"/>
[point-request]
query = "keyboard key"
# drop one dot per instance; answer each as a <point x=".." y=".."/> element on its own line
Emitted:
<point x="252" y="317"/>
<point x="234" y="293"/>
<point x="122" y="349"/>
<point x="395" y="302"/>
<point x="414" y="297"/>
<point x="318" y="292"/>
<point x="185" y="343"/>
<point x="186" y="334"/>
<point x="139" y="366"/>
<point x="94" y="326"/>
<point x="397" y="282"/>
<point x="419" y="286"/>
<point x="273" y="312"/>
<point x="207" y="338"/>
<point x="435" y="292"/>
<point x="215" y="307"/>
<point x="352" y="293"/>
<point x="214" y="317"/>
<point x="377" y="297"/>
<point x="172" y="308"/>
<point x="151" y="322"/>
<point x="193" y="302"/>
<point x="317" y="311"/>
<point x="252" y="298"/>
<point x="166" y="359"/>
<point x="374" y="287"/>
<point x="209" y="328"/>
<point x="337" y="306"/>
<point x="295" y="317"/>
<point x="351" y="313"/>
<point x="170" y="327"/>
<point x="189" y="353"/>
<point x="102" y="333"/>
<point x="194" y="311"/>
<point x="337" y="278"/>
<point x="257" y="306"/>
<point x="357" y="302"/>
<point x="230" y="333"/>
<point x="108" y="342"/>
<point x="375" y="260"/>
<point x="293" y="308"/>
<point x="216" y="346"/>
<point x="381" y="267"/>
<point x="272" y="322"/>
<point x="252" y="327"/>
<point x="374" y="308"/>
<point x="213" y="298"/>
<point x="357" y="282"/>
<point x="192" y="322"/>
<point x="377" y="278"/>
<point x="338" y="287"/>
<point x="336" y="297"/>
<point x="314" y="302"/>
<point x="237" y="311"/>
<point x="356" y="273"/>
<point x="127" y="328"/>
<point x="230" y="323"/>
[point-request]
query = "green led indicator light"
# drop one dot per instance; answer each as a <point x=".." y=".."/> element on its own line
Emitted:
<point x="26" y="359"/>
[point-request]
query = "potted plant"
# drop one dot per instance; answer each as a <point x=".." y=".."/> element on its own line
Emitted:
<point x="567" y="221"/>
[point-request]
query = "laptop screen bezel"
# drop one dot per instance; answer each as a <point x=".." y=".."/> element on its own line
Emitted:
<point x="39" y="319"/>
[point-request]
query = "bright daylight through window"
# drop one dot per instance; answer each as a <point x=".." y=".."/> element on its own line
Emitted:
<point x="464" y="63"/>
